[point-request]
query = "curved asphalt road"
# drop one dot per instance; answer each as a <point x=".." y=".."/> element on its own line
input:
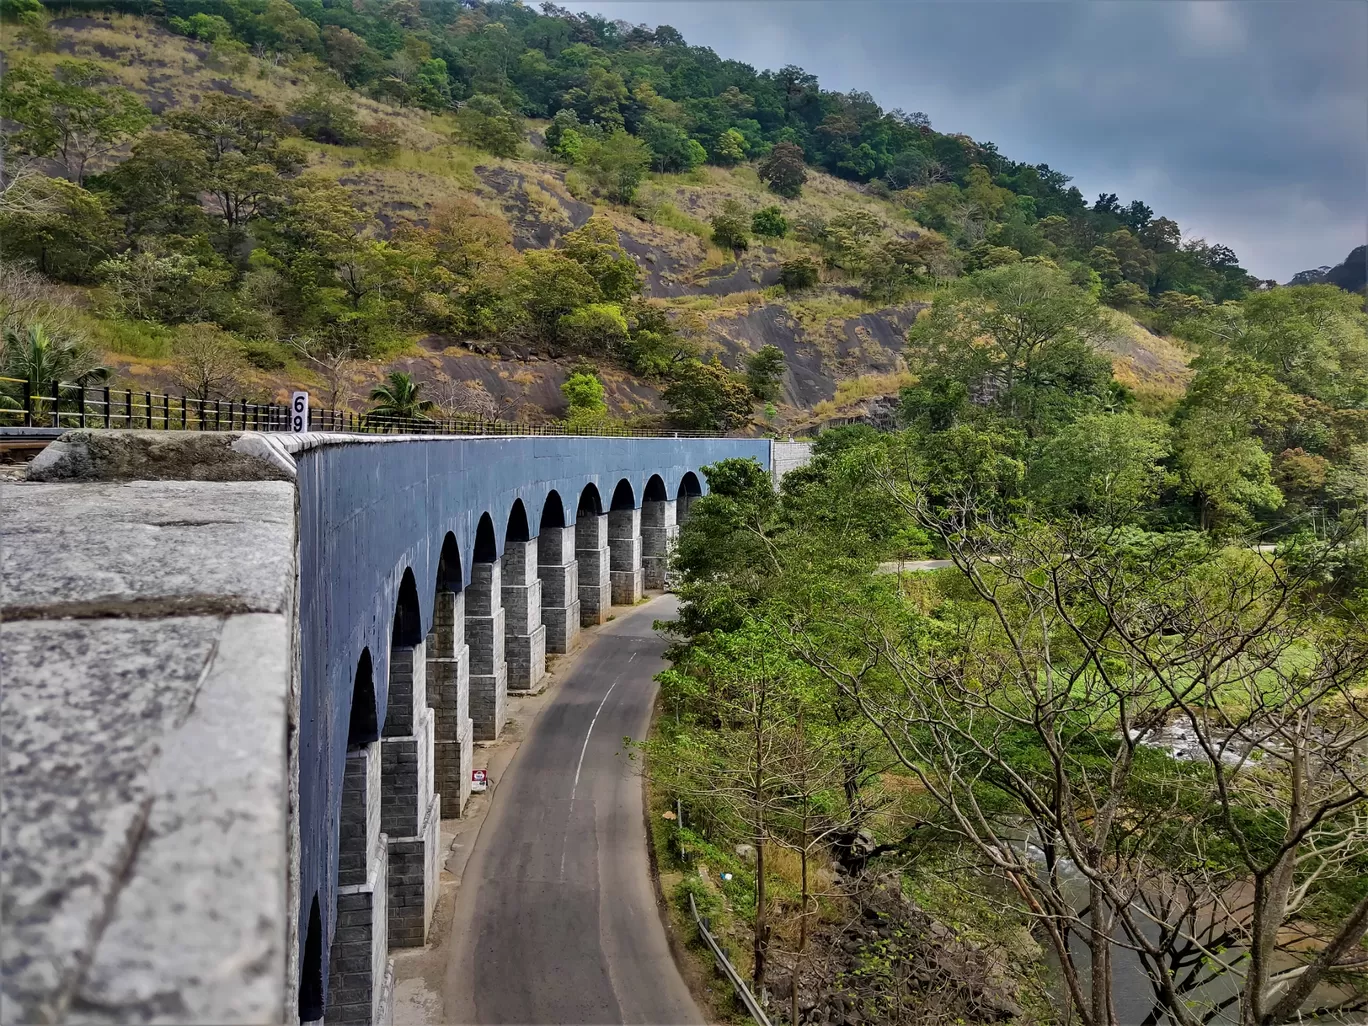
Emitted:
<point x="556" y="919"/>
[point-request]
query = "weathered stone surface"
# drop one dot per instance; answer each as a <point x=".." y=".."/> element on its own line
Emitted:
<point x="165" y="547"/>
<point x="198" y="931"/>
<point x="145" y="782"/>
<point x="152" y="456"/>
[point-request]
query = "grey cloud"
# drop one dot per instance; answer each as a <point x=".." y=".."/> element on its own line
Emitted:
<point x="1245" y="122"/>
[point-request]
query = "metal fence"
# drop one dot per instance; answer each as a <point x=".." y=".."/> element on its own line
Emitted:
<point x="62" y="405"/>
<point x="743" y="992"/>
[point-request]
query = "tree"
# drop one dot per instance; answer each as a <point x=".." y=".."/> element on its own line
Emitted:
<point x="1041" y="699"/>
<point x="799" y="273"/>
<point x="784" y="170"/>
<point x="730" y="229"/>
<point x="708" y="397"/>
<point x="1220" y="463"/>
<point x="158" y="188"/>
<point x="735" y="771"/>
<point x="771" y="222"/>
<point x="598" y="329"/>
<point x="400" y="397"/>
<point x="595" y="247"/>
<point x="1020" y="339"/>
<point x="37" y="357"/>
<point x="671" y="147"/>
<point x="1104" y="464"/>
<point x="68" y="114"/>
<point x="63" y="229"/>
<point x="765" y="372"/>
<point x="382" y="140"/>
<point x="327" y="115"/>
<point x="171" y="288"/>
<point x="546" y="286"/>
<point x="583" y="393"/>
<point x="239" y="142"/>
<point x="731" y="147"/>
<point x="616" y="165"/>
<point x="208" y="362"/>
<point x="483" y="122"/>
<point x="334" y="358"/>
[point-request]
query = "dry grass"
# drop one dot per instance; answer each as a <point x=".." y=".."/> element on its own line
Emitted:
<point x="1154" y="366"/>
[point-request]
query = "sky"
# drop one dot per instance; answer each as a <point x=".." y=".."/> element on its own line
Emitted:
<point x="1246" y="122"/>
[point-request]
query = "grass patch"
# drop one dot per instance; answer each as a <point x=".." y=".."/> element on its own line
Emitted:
<point x="141" y="339"/>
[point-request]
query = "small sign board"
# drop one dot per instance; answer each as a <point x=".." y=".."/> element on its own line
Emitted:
<point x="299" y="412"/>
<point x="479" y="780"/>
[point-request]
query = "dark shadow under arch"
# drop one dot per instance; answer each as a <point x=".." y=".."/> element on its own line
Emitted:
<point x="311" y="972"/>
<point x="517" y="530"/>
<point x="408" y="616"/>
<point x="623" y="496"/>
<point x="364" y="726"/>
<point x="449" y="565"/>
<point x="589" y="502"/>
<point x="688" y="485"/>
<point x="486" y="548"/>
<point x="655" y="490"/>
<point x="553" y="513"/>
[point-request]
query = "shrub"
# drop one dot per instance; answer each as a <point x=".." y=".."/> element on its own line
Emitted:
<point x="484" y="122"/>
<point x="263" y="355"/>
<point x="801" y="273"/>
<point x="326" y="116"/>
<point x="770" y="222"/>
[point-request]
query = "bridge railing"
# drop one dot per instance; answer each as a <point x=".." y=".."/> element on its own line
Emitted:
<point x="68" y="405"/>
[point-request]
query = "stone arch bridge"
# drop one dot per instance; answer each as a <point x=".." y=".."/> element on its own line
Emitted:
<point x="431" y="577"/>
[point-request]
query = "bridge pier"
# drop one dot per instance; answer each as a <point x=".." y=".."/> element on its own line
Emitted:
<point x="485" y="634"/>
<point x="360" y="975"/>
<point x="558" y="570"/>
<point x="658" y="534"/>
<point x="624" y="543"/>
<point x="409" y="806"/>
<point x="525" y="636"/>
<point x="448" y="672"/>
<point x="592" y="553"/>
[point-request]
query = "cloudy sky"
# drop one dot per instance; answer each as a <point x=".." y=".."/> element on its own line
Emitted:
<point x="1245" y="122"/>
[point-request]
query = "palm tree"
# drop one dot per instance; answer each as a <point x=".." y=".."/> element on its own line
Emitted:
<point x="37" y="358"/>
<point x="398" y="397"/>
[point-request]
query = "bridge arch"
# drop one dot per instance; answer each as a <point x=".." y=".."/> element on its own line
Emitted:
<point x="658" y="532"/>
<point x="311" y="971"/>
<point x="553" y="511"/>
<point x="517" y="529"/>
<point x="589" y="501"/>
<point x="655" y="490"/>
<point x="364" y="727"/>
<point x="623" y="496"/>
<point x="486" y="545"/>
<point x="408" y="614"/>
<point x="689" y="490"/>
<point x="449" y="566"/>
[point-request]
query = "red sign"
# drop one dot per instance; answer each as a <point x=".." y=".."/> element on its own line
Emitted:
<point x="478" y="780"/>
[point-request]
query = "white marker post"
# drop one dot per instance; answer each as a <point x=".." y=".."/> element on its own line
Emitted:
<point x="299" y="412"/>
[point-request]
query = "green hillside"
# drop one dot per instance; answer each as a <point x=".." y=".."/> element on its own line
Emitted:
<point x="239" y="198"/>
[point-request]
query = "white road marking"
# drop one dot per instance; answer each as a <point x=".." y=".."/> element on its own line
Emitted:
<point x="574" y="789"/>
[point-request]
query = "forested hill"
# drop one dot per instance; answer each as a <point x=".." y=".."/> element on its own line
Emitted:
<point x="519" y="209"/>
<point x="691" y="106"/>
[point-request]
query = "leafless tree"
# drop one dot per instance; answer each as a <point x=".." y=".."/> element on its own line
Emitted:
<point x="335" y="360"/>
<point x="209" y="364"/>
